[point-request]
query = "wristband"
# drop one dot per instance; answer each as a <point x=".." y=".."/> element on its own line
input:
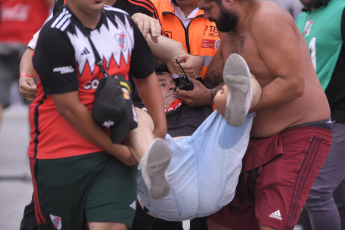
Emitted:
<point x="24" y="74"/>
<point x="212" y="96"/>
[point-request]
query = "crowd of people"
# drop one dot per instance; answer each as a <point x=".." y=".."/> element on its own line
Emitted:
<point x="116" y="142"/>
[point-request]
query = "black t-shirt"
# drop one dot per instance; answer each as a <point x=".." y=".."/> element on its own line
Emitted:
<point x="130" y="6"/>
<point x="185" y="120"/>
<point x="137" y="6"/>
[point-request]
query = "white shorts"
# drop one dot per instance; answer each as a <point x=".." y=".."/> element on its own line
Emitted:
<point x="203" y="172"/>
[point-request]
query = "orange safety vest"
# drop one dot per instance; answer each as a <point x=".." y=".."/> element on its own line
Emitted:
<point x="200" y="38"/>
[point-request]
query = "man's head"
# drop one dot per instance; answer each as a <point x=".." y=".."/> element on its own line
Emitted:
<point x="86" y="9"/>
<point x="185" y="3"/>
<point x="214" y="10"/>
<point x="313" y="4"/>
<point x="167" y="85"/>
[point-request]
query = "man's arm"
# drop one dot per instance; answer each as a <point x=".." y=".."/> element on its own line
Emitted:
<point x="191" y="65"/>
<point x="50" y="3"/>
<point x="213" y="80"/>
<point x="214" y="75"/>
<point x="27" y="86"/>
<point x="151" y="95"/>
<point x="166" y="50"/>
<point x="80" y="118"/>
<point x="147" y="25"/>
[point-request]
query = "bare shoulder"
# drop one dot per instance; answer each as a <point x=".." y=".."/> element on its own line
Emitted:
<point x="269" y="16"/>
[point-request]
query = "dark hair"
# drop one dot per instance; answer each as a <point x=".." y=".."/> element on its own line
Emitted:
<point x="162" y="68"/>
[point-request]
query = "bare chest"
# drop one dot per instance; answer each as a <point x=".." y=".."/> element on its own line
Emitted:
<point x="246" y="46"/>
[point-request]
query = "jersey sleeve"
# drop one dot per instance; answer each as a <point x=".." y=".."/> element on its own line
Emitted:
<point x="54" y="61"/>
<point x="143" y="62"/>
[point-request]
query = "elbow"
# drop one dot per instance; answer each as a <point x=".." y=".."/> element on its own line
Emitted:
<point x="64" y="112"/>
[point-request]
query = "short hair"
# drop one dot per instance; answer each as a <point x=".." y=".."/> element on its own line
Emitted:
<point x="162" y="68"/>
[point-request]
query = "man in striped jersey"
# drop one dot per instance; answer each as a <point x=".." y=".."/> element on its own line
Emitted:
<point x="63" y="132"/>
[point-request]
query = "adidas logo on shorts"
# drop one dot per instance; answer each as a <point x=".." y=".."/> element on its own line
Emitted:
<point x="276" y="215"/>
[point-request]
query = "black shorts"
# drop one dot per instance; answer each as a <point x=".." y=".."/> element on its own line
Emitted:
<point x="73" y="191"/>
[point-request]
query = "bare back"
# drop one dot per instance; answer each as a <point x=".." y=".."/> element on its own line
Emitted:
<point x="279" y="58"/>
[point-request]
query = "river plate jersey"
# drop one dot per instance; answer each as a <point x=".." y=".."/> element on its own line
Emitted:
<point x="130" y="6"/>
<point x="324" y="31"/>
<point x="65" y="62"/>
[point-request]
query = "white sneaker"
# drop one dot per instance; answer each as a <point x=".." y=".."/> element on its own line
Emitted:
<point x="236" y="76"/>
<point x="153" y="168"/>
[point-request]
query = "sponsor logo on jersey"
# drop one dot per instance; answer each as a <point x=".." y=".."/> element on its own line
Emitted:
<point x="64" y="69"/>
<point x="210" y="31"/>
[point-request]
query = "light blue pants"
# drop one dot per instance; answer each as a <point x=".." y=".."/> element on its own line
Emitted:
<point x="203" y="171"/>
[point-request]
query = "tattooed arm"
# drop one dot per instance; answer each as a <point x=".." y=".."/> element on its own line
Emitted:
<point x="213" y="78"/>
<point x="214" y="74"/>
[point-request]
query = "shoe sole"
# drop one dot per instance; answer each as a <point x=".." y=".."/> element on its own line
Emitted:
<point x="237" y="78"/>
<point x="157" y="161"/>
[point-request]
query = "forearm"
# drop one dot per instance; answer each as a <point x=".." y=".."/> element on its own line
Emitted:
<point x="279" y="92"/>
<point x="82" y="121"/>
<point x="151" y="95"/>
<point x="214" y="75"/>
<point x="80" y="118"/>
<point x="165" y="49"/>
<point x="26" y="65"/>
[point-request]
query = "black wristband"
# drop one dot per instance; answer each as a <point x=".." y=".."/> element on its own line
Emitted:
<point x="212" y="96"/>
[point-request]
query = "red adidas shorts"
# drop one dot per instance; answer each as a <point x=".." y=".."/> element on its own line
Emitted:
<point x="280" y="187"/>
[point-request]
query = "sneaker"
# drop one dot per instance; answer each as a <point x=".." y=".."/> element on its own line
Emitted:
<point x="153" y="168"/>
<point x="237" y="78"/>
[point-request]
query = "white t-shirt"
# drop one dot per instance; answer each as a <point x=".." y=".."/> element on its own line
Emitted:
<point x="185" y="20"/>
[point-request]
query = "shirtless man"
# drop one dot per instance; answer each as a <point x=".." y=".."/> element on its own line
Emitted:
<point x="291" y="133"/>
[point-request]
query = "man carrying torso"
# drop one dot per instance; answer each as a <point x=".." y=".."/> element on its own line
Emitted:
<point x="291" y="133"/>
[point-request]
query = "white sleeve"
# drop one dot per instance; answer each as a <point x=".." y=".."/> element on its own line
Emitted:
<point x="33" y="41"/>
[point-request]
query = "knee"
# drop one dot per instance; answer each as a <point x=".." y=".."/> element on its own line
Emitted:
<point x="144" y="119"/>
<point x="319" y="198"/>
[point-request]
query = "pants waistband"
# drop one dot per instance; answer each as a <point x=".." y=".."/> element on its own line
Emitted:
<point x="326" y="123"/>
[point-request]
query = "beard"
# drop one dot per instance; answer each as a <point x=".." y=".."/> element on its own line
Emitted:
<point x="226" y="21"/>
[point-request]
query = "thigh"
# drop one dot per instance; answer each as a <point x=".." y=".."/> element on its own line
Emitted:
<point x="284" y="183"/>
<point x="112" y="197"/>
<point x="29" y="220"/>
<point x="198" y="223"/>
<point x="58" y="194"/>
<point x="66" y="190"/>
<point x="144" y="221"/>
